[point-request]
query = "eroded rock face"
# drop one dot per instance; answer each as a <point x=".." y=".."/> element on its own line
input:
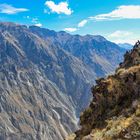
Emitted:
<point x="31" y="105"/>
<point x="42" y="85"/>
<point x="114" y="110"/>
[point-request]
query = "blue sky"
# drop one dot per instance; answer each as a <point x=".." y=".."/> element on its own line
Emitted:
<point x="117" y="20"/>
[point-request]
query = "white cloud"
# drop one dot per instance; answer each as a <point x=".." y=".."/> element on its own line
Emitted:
<point x="118" y="34"/>
<point x="38" y="24"/>
<point x="60" y="8"/>
<point x="130" y="40"/>
<point x="82" y="23"/>
<point x="9" y="9"/>
<point x="122" y="12"/>
<point x="70" y="29"/>
<point x="123" y="37"/>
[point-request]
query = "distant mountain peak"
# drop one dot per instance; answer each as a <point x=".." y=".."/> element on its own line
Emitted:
<point x="126" y="46"/>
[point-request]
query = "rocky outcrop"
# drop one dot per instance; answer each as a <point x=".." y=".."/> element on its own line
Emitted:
<point x="114" y="112"/>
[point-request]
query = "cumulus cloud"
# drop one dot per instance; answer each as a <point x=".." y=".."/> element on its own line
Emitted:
<point x="70" y="29"/>
<point x="118" y="34"/>
<point x="60" y="8"/>
<point x="79" y="25"/>
<point x="123" y="37"/>
<point x="121" y="12"/>
<point x="38" y="24"/>
<point x="82" y="23"/>
<point x="9" y="9"/>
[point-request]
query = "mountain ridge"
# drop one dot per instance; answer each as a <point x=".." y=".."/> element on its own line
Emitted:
<point x="44" y="86"/>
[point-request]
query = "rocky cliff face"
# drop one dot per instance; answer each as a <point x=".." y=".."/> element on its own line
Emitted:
<point x="114" y="113"/>
<point x="43" y="86"/>
<point x="31" y="105"/>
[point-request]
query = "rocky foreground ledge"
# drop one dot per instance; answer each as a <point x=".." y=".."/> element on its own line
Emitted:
<point x="114" y="113"/>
